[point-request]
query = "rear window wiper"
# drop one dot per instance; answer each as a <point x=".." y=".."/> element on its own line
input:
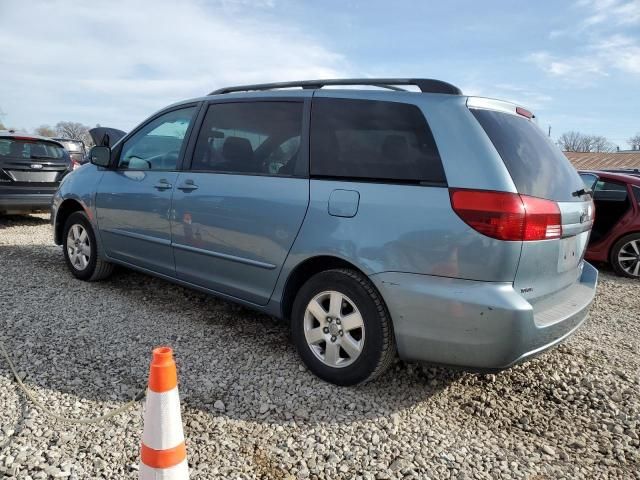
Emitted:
<point x="581" y="192"/>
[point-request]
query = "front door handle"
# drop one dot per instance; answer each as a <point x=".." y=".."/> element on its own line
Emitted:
<point x="187" y="186"/>
<point x="162" y="185"/>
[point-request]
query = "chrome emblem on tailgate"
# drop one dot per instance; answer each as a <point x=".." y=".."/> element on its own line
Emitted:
<point x="583" y="217"/>
<point x="36" y="166"/>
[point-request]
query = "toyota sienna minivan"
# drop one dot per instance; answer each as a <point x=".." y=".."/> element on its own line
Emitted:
<point x="443" y="227"/>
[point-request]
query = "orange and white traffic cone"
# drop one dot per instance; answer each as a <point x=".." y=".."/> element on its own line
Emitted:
<point x="163" y="454"/>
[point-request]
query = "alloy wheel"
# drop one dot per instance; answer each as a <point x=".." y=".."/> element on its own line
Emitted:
<point x="78" y="247"/>
<point x="629" y="257"/>
<point x="334" y="329"/>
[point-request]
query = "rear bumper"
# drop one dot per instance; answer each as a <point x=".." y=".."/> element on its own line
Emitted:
<point x="28" y="202"/>
<point x="486" y="325"/>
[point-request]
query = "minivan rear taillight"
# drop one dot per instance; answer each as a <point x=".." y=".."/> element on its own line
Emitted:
<point x="507" y="216"/>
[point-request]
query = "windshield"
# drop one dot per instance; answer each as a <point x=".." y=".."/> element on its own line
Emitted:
<point x="27" y="149"/>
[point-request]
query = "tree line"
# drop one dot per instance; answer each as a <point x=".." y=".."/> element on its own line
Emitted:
<point x="581" y="142"/>
<point x="70" y="130"/>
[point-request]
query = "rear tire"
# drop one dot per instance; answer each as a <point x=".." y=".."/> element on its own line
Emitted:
<point x="81" y="249"/>
<point x="341" y="328"/>
<point x="625" y="256"/>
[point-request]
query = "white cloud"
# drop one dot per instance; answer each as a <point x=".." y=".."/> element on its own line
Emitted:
<point x="600" y="57"/>
<point x="116" y="62"/>
<point x="622" y="52"/>
<point x="576" y="69"/>
<point x="599" y="14"/>
<point x="604" y="46"/>
<point x="616" y="12"/>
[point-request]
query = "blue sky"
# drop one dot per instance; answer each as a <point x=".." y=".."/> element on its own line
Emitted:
<point x="576" y="64"/>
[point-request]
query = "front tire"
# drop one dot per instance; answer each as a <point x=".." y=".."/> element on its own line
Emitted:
<point x="625" y="256"/>
<point x="81" y="249"/>
<point x="341" y="328"/>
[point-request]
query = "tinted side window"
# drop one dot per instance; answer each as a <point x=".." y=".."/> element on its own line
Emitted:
<point x="636" y="193"/>
<point x="366" y="139"/>
<point x="538" y="167"/>
<point x="250" y="137"/>
<point x="157" y="145"/>
<point x="606" y="190"/>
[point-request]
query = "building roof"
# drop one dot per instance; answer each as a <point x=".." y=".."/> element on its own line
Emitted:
<point x="601" y="160"/>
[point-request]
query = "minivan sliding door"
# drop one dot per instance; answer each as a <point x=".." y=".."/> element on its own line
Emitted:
<point x="237" y="211"/>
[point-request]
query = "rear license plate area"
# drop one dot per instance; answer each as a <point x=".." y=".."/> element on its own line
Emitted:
<point x="571" y="252"/>
<point x="35" y="177"/>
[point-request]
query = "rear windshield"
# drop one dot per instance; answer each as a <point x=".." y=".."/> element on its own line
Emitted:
<point x="27" y="149"/>
<point x="72" y="145"/>
<point x="538" y="168"/>
<point x="373" y="140"/>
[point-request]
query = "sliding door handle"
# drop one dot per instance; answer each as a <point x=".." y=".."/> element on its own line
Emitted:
<point x="187" y="186"/>
<point x="162" y="185"/>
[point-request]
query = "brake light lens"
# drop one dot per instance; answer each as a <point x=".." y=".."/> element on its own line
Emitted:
<point x="524" y="112"/>
<point x="508" y="216"/>
<point x="543" y="220"/>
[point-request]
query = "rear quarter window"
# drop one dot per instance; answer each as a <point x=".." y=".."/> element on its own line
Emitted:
<point x="373" y="140"/>
<point x="537" y="166"/>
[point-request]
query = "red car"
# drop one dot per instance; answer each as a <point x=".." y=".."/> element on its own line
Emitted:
<point x="615" y="237"/>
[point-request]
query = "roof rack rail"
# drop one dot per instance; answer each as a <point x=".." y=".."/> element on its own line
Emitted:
<point x="426" y="85"/>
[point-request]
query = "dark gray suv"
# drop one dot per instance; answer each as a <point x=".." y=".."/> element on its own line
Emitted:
<point x="31" y="168"/>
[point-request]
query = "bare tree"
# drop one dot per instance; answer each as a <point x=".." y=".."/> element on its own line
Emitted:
<point x="74" y="131"/>
<point x="571" y="142"/>
<point x="580" y="142"/>
<point x="634" y="142"/>
<point x="45" y="131"/>
<point x="598" y="143"/>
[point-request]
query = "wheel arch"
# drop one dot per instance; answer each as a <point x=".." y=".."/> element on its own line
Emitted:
<point x="304" y="271"/>
<point x="65" y="209"/>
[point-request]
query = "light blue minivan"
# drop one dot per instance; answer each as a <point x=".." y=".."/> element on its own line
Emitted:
<point x="399" y="217"/>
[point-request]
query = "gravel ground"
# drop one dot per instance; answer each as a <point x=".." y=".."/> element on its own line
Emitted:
<point x="250" y="410"/>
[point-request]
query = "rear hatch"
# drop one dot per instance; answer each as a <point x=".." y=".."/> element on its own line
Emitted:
<point x="542" y="176"/>
<point x="31" y="163"/>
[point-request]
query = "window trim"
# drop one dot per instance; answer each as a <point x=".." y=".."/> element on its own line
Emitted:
<point x="380" y="181"/>
<point x="377" y="180"/>
<point x="635" y="191"/>
<point x="302" y="166"/>
<point x="115" y="154"/>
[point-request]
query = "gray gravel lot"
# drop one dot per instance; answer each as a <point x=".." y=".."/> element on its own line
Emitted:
<point x="251" y="410"/>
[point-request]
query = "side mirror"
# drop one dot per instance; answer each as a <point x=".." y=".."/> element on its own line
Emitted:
<point x="100" y="156"/>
